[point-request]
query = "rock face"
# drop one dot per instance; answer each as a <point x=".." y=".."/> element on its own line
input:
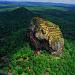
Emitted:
<point x="46" y="34"/>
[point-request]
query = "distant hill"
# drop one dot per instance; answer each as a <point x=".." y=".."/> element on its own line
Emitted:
<point x="18" y="18"/>
<point x="37" y="4"/>
<point x="13" y="25"/>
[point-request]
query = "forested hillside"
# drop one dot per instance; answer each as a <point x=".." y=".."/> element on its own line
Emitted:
<point x="12" y="28"/>
<point x="16" y="55"/>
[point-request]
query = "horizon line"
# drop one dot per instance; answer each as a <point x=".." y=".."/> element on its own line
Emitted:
<point x="40" y="2"/>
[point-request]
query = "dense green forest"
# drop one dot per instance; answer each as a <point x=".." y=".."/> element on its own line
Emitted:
<point x="16" y="55"/>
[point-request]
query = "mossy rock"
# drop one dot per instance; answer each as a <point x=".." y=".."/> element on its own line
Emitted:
<point x="47" y="32"/>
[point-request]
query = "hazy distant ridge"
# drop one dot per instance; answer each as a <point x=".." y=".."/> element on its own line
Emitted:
<point x="37" y="4"/>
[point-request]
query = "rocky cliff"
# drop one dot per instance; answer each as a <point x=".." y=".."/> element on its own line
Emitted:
<point x="44" y="30"/>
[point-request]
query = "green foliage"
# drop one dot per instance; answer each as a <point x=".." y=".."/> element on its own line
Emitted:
<point x="24" y="58"/>
<point x="13" y="26"/>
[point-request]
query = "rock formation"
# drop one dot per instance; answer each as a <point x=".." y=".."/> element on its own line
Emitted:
<point x="46" y="34"/>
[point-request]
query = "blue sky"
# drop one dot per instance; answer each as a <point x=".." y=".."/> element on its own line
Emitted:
<point x="55" y="1"/>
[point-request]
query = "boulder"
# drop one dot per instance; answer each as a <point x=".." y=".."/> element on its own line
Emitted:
<point x="42" y="32"/>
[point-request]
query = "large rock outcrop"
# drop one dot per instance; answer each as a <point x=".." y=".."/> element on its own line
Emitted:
<point x="46" y="34"/>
